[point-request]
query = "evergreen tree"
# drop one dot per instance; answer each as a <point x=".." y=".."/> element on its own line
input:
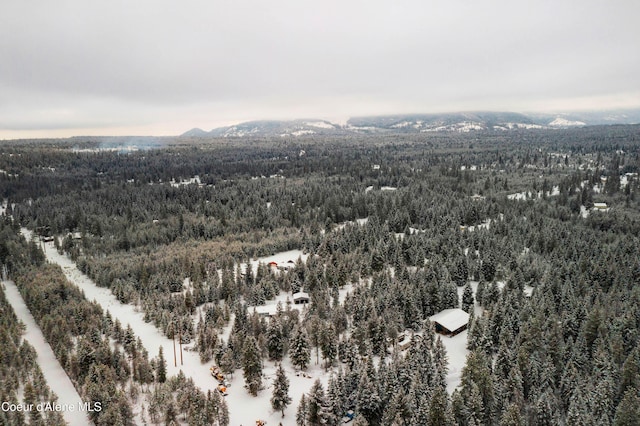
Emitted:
<point x="299" y="351"/>
<point x="161" y="367"/>
<point x="467" y="298"/>
<point x="439" y="412"/>
<point x="511" y="416"/>
<point x="223" y="414"/>
<point x="280" y="398"/>
<point x="275" y="339"/>
<point x="317" y="414"/>
<point x="369" y="403"/>
<point x="628" y="412"/>
<point x="302" y="412"/>
<point x="252" y="366"/>
<point x="488" y="266"/>
<point x="328" y="345"/>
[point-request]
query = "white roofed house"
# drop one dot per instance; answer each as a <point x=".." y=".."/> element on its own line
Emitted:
<point x="301" y="297"/>
<point x="600" y="206"/>
<point x="450" y="321"/>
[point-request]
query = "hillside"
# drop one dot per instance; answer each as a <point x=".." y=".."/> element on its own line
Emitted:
<point x="460" y="122"/>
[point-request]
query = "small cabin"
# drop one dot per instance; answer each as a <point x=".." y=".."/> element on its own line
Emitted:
<point x="600" y="206"/>
<point x="287" y="265"/>
<point x="301" y="298"/>
<point x="450" y="321"/>
<point x="406" y="341"/>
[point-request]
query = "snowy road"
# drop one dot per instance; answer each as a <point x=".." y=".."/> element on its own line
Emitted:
<point x="53" y="372"/>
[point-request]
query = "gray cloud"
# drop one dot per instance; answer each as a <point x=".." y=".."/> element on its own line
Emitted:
<point x="116" y="64"/>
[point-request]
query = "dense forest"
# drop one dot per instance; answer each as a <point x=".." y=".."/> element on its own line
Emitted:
<point x="544" y="224"/>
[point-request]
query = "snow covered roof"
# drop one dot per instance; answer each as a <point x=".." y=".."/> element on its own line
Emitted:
<point x="451" y="319"/>
<point x="300" y="295"/>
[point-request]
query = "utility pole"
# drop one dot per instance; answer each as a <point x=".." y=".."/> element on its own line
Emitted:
<point x="180" y="337"/>
<point x="173" y="339"/>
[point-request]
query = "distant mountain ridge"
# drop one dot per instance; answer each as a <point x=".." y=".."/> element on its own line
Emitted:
<point x="461" y="122"/>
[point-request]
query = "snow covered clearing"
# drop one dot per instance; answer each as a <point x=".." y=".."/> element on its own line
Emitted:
<point x="271" y="306"/>
<point x="412" y="231"/>
<point x="53" y="372"/>
<point x="519" y="196"/>
<point x="457" y="352"/>
<point x="194" y="180"/>
<point x="285" y="259"/>
<point x="563" y="122"/>
<point x="320" y="124"/>
<point x="245" y="409"/>
<point x="285" y="298"/>
<point x="301" y="133"/>
<point x="484" y="225"/>
<point x="401" y="125"/>
<point x="528" y="195"/>
<point x="360" y="222"/>
<point x="584" y="212"/>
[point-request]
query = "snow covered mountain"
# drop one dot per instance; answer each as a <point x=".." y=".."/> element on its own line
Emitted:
<point x="278" y="128"/>
<point x="563" y="122"/>
<point x="462" y="122"/>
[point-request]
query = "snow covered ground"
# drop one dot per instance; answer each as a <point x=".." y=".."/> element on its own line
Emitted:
<point x="533" y="195"/>
<point x="194" y="180"/>
<point x="53" y="372"/>
<point x="243" y="408"/>
<point x="360" y="222"/>
<point x="283" y="259"/>
<point x="457" y="352"/>
<point x="584" y="213"/>
<point x="271" y="306"/>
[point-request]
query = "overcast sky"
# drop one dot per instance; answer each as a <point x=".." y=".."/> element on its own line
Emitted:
<point x="110" y="67"/>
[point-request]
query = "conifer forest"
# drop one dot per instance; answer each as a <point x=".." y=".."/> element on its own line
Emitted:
<point x="533" y="235"/>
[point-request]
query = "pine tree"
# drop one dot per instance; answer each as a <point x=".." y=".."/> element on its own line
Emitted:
<point x="280" y="398"/>
<point x="161" y="368"/>
<point x="301" y="413"/>
<point x="223" y="414"/>
<point x="488" y="266"/>
<point x="368" y="402"/>
<point x="628" y="412"/>
<point x="544" y="413"/>
<point x="467" y="298"/>
<point x="511" y="416"/>
<point x="252" y="365"/>
<point x="440" y="362"/>
<point x="328" y="345"/>
<point x="299" y="351"/>
<point x="438" y="408"/>
<point x="275" y="340"/>
<point x="316" y="403"/>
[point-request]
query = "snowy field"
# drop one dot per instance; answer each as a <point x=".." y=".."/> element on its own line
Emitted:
<point x="53" y="372"/>
<point x="285" y="259"/>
